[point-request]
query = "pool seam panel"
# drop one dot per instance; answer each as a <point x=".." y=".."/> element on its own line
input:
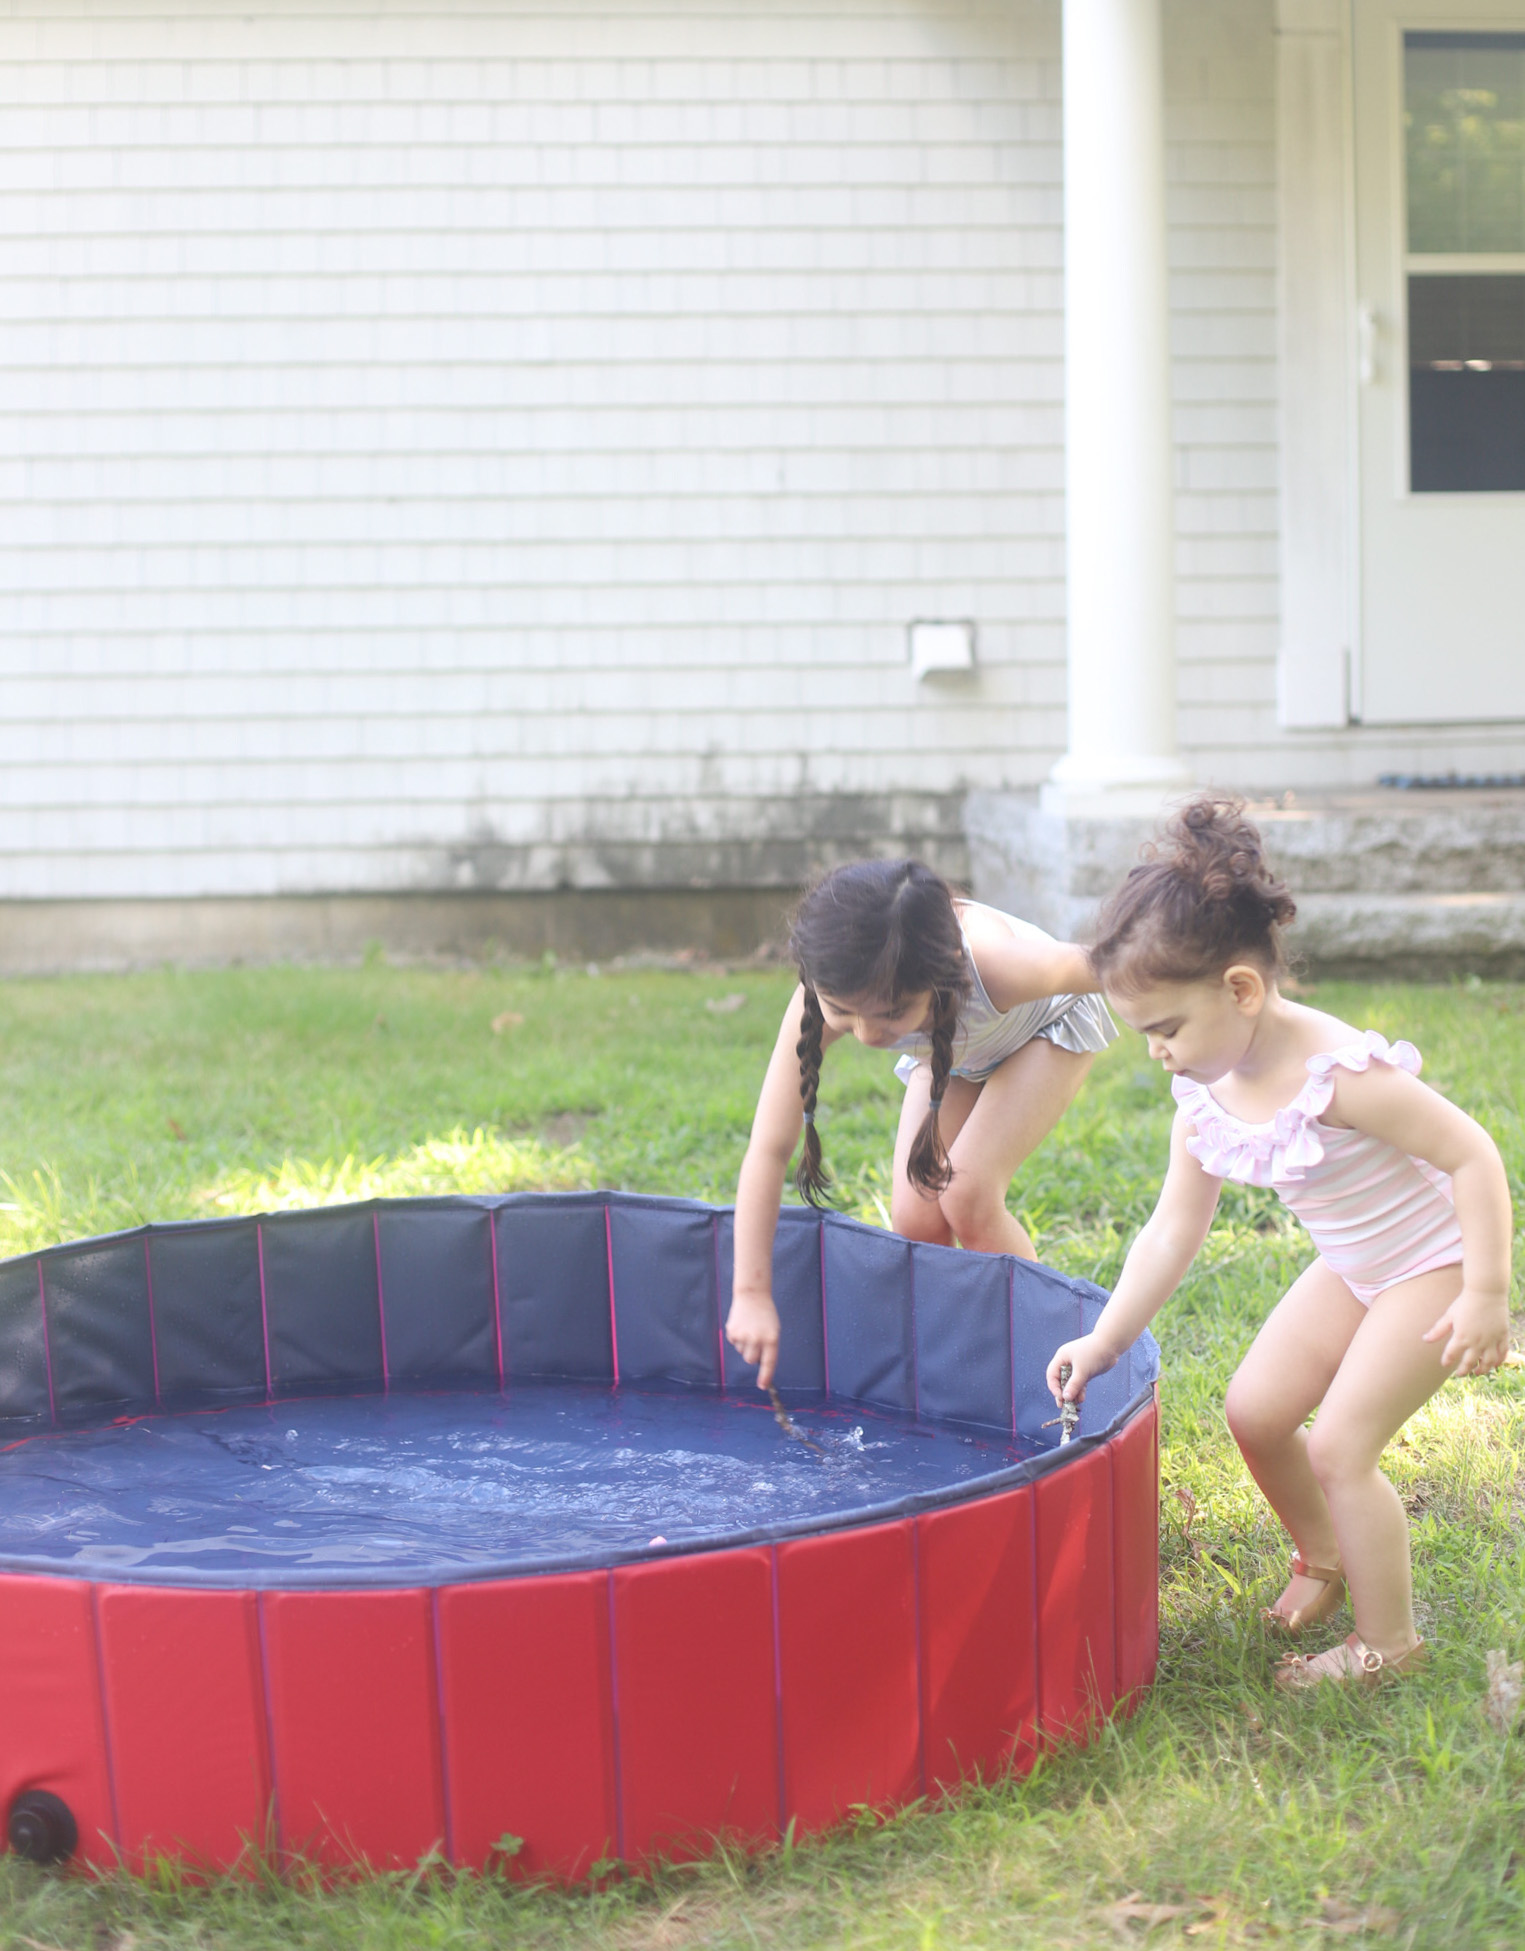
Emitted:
<point x="778" y="1695"/>
<point x="381" y="1306"/>
<point x="719" y="1318"/>
<point x="264" y="1310"/>
<point x="1037" y="1622"/>
<point x="442" y="1718"/>
<point x="820" y="1228"/>
<point x="920" y="1656"/>
<point x="276" y="1838"/>
<point x="910" y="1265"/>
<point x="497" y="1295"/>
<point x="153" y="1326"/>
<point x="47" y="1350"/>
<point x="615" y="1756"/>
<point x="1011" y="1341"/>
<point x="109" y="1756"/>
<point x="614" y="1326"/>
<point x="1114" y="1545"/>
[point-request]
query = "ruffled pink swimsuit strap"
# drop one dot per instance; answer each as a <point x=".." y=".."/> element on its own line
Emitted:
<point x="1291" y="1143"/>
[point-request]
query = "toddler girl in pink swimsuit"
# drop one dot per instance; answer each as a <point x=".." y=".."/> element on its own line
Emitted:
<point x="1404" y="1196"/>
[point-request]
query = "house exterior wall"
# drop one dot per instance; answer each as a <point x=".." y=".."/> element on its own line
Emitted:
<point x="499" y="445"/>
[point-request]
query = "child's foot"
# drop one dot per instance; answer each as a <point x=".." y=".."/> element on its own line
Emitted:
<point x="1312" y="1594"/>
<point x="1352" y="1663"/>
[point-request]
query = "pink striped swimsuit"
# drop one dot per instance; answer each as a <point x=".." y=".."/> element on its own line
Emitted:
<point x="1376" y="1215"/>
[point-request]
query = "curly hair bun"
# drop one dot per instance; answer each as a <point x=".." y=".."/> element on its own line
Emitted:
<point x="1204" y="898"/>
<point x="1215" y="849"/>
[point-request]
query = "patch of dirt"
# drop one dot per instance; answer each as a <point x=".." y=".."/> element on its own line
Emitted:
<point x="565" y="1129"/>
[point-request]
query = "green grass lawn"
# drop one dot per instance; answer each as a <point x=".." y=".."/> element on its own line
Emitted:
<point x="1395" y="1818"/>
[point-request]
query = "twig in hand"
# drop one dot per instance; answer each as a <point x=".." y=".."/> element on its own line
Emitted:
<point x="788" y="1425"/>
<point x="1069" y="1412"/>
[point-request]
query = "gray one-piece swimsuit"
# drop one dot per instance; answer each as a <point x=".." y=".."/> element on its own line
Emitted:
<point x="987" y="1036"/>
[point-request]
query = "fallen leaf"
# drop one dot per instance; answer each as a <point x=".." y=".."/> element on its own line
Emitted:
<point x="508" y="1019"/>
<point x="176" y="1130"/>
<point x="1506" y="1686"/>
<point x="725" y="1005"/>
<point x="1133" y="1910"/>
<point x="663" y="1931"/>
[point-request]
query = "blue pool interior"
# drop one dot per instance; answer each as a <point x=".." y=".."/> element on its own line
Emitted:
<point x="436" y="1388"/>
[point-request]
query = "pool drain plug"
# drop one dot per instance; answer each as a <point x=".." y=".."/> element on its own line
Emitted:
<point x="42" y="1827"/>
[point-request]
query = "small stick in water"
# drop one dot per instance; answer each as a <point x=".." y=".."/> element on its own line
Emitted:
<point x="788" y="1425"/>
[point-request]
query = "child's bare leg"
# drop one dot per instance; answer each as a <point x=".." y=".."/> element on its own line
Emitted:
<point x="1283" y="1378"/>
<point x="1389" y="1372"/>
<point x="914" y="1213"/>
<point x="1019" y="1105"/>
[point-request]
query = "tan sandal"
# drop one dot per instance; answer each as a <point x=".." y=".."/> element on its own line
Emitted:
<point x="1321" y="1608"/>
<point x="1352" y="1663"/>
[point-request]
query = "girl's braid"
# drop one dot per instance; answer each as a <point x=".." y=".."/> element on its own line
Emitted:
<point x="810" y="1175"/>
<point x="929" y="1166"/>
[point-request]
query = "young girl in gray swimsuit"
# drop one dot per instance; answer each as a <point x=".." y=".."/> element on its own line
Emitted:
<point x="997" y="1024"/>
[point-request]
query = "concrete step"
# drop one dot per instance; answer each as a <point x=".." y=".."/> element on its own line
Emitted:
<point x="1405" y="884"/>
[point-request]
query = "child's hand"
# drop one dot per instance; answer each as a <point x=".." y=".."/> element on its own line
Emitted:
<point x="751" y="1328"/>
<point x="1086" y="1357"/>
<point x="1476" y="1331"/>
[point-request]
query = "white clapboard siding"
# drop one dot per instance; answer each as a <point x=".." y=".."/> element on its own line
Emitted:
<point x="504" y="442"/>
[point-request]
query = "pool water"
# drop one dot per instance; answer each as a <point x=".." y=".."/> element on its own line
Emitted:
<point x="371" y="1489"/>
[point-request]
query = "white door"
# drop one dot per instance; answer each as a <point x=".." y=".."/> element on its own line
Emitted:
<point x="1440" y="271"/>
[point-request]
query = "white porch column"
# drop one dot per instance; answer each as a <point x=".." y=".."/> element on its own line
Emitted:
<point x="1120" y="522"/>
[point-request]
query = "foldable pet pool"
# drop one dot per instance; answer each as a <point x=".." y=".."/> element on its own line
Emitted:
<point x="453" y="1525"/>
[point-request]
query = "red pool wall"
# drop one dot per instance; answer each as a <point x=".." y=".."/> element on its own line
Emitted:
<point x="627" y="1713"/>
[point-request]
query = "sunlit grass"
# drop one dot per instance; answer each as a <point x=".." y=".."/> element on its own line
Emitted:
<point x="1393" y="1819"/>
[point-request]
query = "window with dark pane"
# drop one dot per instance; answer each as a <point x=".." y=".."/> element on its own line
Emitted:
<point x="1464" y="129"/>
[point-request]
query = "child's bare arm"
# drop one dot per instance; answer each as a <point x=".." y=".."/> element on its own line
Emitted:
<point x="1394" y="1106"/>
<point x="752" y="1324"/>
<point x="1156" y="1265"/>
<point x="1016" y="971"/>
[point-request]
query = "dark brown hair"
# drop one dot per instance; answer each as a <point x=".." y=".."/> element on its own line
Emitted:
<point x="884" y="929"/>
<point x="1203" y="899"/>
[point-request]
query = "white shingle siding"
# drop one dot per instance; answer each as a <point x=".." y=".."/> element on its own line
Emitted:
<point x="513" y="441"/>
<point x="507" y="443"/>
